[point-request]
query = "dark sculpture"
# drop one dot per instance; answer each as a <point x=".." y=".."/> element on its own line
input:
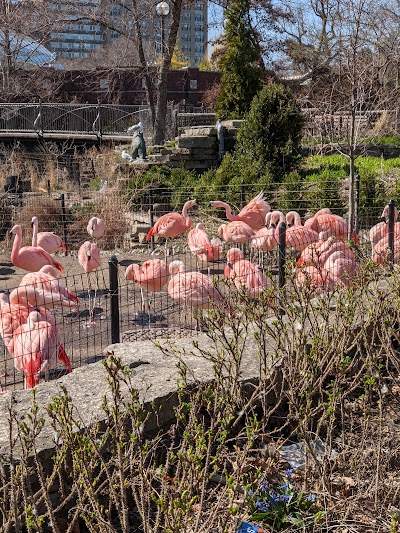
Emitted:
<point x="138" y="145"/>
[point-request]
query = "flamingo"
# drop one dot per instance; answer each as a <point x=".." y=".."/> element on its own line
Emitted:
<point x="202" y="247"/>
<point x="317" y="253"/>
<point x="381" y="230"/>
<point x="192" y="289"/>
<point x="317" y="278"/>
<point x="298" y="236"/>
<point x="236" y="231"/>
<point x="264" y="240"/>
<point x="89" y="259"/>
<point x="151" y="275"/>
<point x="30" y="258"/>
<point x="342" y="270"/>
<point x="43" y="288"/>
<point x="35" y="346"/>
<point x="172" y="224"/>
<point x="381" y="250"/>
<point x="47" y="240"/>
<point x="329" y="225"/>
<point x="95" y="227"/>
<point x="89" y="256"/>
<point x="245" y="275"/>
<point x="252" y="214"/>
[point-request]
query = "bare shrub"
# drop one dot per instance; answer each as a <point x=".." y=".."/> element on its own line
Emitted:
<point x="48" y="212"/>
<point x="108" y="207"/>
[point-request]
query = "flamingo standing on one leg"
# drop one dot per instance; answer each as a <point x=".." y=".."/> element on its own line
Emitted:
<point x="36" y="348"/>
<point x="95" y="227"/>
<point x="245" y="275"/>
<point x="89" y="259"/>
<point x="47" y="240"/>
<point x="151" y="275"/>
<point x="172" y="224"/>
<point x="252" y="214"/>
<point x="264" y="240"/>
<point x="30" y="258"/>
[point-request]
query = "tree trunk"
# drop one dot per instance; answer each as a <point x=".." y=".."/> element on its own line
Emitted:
<point x="142" y="58"/>
<point x="162" y="87"/>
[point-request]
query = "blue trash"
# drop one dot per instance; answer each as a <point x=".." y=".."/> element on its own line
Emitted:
<point x="248" y="528"/>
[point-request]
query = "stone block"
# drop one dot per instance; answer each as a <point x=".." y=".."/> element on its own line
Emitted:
<point x="196" y="142"/>
<point x="232" y="123"/>
<point x="196" y="131"/>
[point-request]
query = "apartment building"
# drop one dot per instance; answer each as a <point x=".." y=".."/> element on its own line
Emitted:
<point x="79" y="40"/>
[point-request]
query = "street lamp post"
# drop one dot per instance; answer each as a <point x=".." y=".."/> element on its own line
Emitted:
<point x="162" y="10"/>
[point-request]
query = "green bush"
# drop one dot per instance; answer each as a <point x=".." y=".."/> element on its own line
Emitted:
<point x="270" y="135"/>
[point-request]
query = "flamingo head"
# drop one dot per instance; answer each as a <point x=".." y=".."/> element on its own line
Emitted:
<point x="233" y="255"/>
<point x="15" y="230"/>
<point x="221" y="230"/>
<point x="190" y="203"/>
<point x="34" y="221"/>
<point x="385" y="213"/>
<point x="218" y="203"/>
<point x="176" y="267"/>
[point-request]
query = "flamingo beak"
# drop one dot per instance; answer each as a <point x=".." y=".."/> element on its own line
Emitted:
<point x="230" y="265"/>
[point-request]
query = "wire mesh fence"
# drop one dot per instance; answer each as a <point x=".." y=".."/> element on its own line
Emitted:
<point x="156" y="289"/>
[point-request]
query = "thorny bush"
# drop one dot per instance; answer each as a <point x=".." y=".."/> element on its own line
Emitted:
<point x="328" y="368"/>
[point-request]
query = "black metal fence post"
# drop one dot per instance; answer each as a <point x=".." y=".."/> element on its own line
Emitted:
<point x="64" y="223"/>
<point x="151" y="214"/>
<point x="114" y="298"/>
<point x="357" y="205"/>
<point x="391" y="231"/>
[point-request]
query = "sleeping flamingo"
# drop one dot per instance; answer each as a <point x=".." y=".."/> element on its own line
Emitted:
<point x="47" y="240"/>
<point x="36" y="348"/>
<point x="30" y="258"/>
<point x="252" y="214"/>
<point x="236" y="232"/>
<point x="95" y="227"/>
<point x="192" y="289"/>
<point x="245" y="275"/>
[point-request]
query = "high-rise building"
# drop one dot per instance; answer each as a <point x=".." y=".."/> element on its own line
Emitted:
<point x="79" y="40"/>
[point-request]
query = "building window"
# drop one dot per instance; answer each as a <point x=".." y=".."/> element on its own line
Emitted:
<point x="199" y="38"/>
<point x="199" y="17"/>
<point x="193" y="84"/>
<point x="186" y="37"/>
<point x="186" y="27"/>
<point x="199" y="48"/>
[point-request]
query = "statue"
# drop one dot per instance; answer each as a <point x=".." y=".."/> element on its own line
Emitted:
<point x="138" y="145"/>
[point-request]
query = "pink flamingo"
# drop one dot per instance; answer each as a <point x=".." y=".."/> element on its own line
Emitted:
<point x="172" y="224"/>
<point x="298" y="236"/>
<point x="381" y="230"/>
<point x="202" y="247"/>
<point x="381" y="250"/>
<point x="330" y="225"/>
<point x="236" y="232"/>
<point x="89" y="256"/>
<point x="317" y="253"/>
<point x="265" y="240"/>
<point x="30" y="258"/>
<point x="151" y="275"/>
<point x="342" y="270"/>
<point x="252" y="214"/>
<point x="192" y="289"/>
<point x="95" y="227"/>
<point x="312" y="222"/>
<point x="317" y="278"/>
<point x="245" y="275"/>
<point x="43" y="288"/>
<point x="35" y="346"/>
<point x="89" y="259"/>
<point x="47" y="240"/>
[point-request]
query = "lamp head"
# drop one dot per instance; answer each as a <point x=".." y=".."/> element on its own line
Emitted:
<point x="162" y="9"/>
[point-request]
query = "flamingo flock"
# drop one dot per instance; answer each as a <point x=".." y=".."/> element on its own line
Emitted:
<point x="28" y="328"/>
<point x="325" y="260"/>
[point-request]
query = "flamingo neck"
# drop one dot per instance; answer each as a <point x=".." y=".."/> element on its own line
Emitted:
<point x="35" y="233"/>
<point x="16" y="245"/>
<point x="186" y="217"/>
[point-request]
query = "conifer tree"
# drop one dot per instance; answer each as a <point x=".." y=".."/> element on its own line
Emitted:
<point x="240" y="64"/>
